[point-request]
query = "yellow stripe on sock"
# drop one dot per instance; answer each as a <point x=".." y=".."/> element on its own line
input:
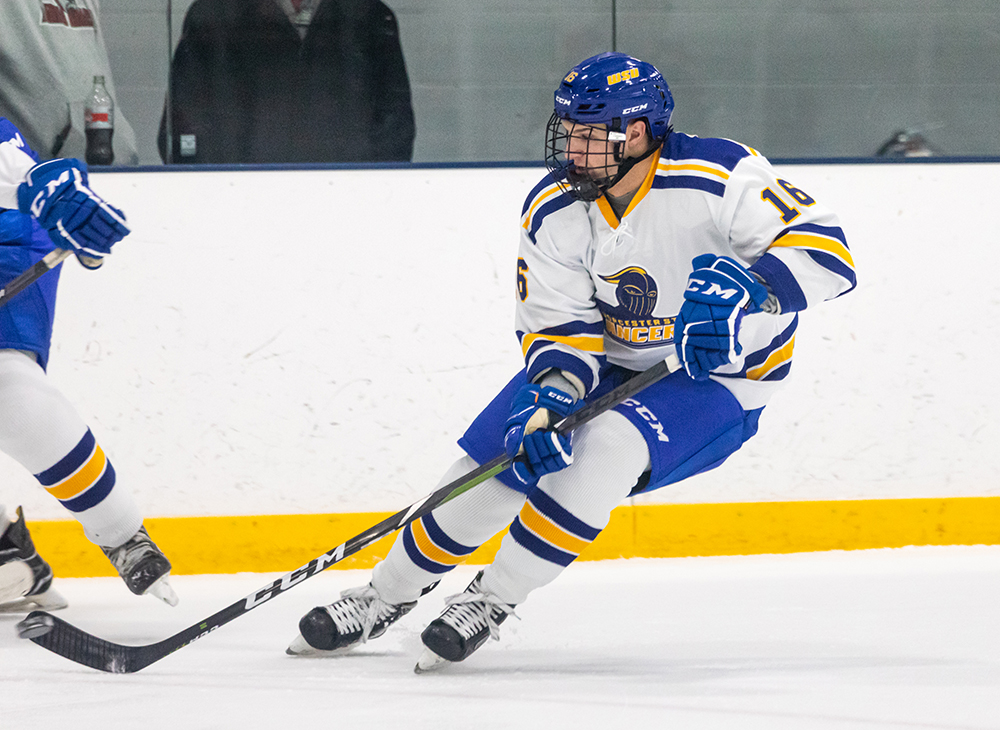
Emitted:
<point x="430" y="549"/>
<point x="83" y="478"/>
<point x="549" y="531"/>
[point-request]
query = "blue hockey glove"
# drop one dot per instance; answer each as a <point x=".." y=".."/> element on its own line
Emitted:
<point x="76" y="218"/>
<point x="706" y="332"/>
<point x="533" y="410"/>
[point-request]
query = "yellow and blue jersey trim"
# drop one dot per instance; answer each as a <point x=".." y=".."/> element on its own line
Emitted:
<point x="774" y="361"/>
<point x="544" y="199"/>
<point x="692" y="163"/>
<point x="771" y="362"/>
<point x="686" y="163"/>
<point x="541" y="354"/>
<point x="826" y="245"/>
<point x="608" y="212"/>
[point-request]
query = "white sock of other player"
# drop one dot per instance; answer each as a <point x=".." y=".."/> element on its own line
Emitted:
<point x="569" y="508"/>
<point x="433" y="545"/>
<point x="41" y="430"/>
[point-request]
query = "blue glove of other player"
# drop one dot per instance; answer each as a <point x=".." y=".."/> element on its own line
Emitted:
<point x="706" y="332"/>
<point x="56" y="193"/>
<point x="533" y="411"/>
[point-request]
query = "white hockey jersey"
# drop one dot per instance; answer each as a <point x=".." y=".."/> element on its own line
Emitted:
<point x="16" y="158"/>
<point x="595" y="289"/>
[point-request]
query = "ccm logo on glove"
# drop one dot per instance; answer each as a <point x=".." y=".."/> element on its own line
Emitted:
<point x="527" y="431"/>
<point x="711" y="289"/>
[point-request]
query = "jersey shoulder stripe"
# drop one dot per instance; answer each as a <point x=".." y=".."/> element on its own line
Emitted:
<point x="693" y="163"/>
<point x="548" y="207"/>
<point x="545" y="198"/>
<point x="544" y="184"/>
<point x="724" y="154"/>
<point x="690" y="182"/>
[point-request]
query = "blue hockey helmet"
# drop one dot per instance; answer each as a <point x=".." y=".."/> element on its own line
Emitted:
<point x="613" y="89"/>
<point x="608" y="90"/>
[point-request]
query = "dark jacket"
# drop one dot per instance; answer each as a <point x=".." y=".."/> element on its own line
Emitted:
<point x="250" y="90"/>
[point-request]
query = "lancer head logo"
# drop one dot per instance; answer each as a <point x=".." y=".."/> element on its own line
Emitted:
<point x="636" y="291"/>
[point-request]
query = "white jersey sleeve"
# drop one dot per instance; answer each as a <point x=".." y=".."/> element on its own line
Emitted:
<point x="558" y="323"/>
<point x="794" y="243"/>
<point x="15" y="160"/>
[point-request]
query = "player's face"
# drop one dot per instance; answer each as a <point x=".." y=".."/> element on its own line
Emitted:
<point x="589" y="150"/>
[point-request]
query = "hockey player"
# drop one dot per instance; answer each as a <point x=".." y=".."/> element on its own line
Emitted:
<point x="640" y="241"/>
<point x="42" y="206"/>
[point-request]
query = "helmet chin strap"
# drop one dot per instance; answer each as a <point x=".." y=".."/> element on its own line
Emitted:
<point x="588" y="189"/>
<point x="626" y="164"/>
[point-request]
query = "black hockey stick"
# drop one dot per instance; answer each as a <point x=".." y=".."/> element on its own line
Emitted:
<point x="64" y="639"/>
<point x="30" y="276"/>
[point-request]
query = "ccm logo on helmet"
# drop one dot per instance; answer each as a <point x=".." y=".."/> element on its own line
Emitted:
<point x="633" y="109"/>
<point x="562" y="101"/>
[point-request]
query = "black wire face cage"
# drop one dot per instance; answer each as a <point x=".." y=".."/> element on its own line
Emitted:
<point x="580" y="185"/>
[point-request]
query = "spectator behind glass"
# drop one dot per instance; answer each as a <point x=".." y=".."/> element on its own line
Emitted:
<point x="50" y="51"/>
<point x="907" y="143"/>
<point x="289" y="81"/>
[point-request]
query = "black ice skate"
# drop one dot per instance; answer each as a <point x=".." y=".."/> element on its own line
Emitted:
<point x="143" y="567"/>
<point x="359" y="615"/>
<point x="25" y="579"/>
<point x="469" y="620"/>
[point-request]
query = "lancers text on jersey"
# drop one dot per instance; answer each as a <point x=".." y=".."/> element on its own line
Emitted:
<point x="640" y="331"/>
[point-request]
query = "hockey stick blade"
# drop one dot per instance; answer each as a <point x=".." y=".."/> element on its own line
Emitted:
<point x="66" y="640"/>
<point x="30" y="276"/>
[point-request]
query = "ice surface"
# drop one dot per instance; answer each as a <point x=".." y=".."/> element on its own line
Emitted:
<point x="903" y="638"/>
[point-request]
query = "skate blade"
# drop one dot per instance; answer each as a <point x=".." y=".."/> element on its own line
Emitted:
<point x="430" y="662"/>
<point x="301" y="647"/>
<point x="163" y="590"/>
<point x="50" y="600"/>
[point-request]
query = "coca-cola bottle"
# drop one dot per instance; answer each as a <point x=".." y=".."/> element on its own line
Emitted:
<point x="99" y="124"/>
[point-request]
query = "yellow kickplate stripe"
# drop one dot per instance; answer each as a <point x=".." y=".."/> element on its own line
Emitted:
<point x="281" y="543"/>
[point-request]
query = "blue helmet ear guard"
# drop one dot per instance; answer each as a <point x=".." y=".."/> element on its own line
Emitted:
<point x="610" y="91"/>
